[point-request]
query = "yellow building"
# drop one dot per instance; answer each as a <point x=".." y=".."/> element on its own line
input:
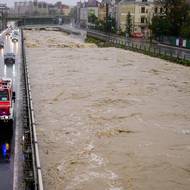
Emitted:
<point x="102" y="12"/>
<point x="141" y="12"/>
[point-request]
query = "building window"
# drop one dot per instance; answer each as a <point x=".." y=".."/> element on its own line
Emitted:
<point x="144" y="0"/>
<point x="161" y="10"/>
<point x="156" y="10"/>
<point x="142" y="29"/>
<point x="143" y="20"/>
<point x="142" y="9"/>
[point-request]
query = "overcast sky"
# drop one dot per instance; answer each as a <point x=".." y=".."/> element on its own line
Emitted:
<point x="69" y="2"/>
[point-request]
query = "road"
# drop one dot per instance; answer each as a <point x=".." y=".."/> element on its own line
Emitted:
<point x="13" y="72"/>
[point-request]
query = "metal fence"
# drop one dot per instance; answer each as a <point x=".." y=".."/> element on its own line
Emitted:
<point x="150" y="49"/>
<point x="170" y="53"/>
<point x="174" y="41"/>
<point x="32" y="167"/>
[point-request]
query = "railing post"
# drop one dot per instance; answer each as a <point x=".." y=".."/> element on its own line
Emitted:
<point x="184" y="57"/>
<point x="171" y="55"/>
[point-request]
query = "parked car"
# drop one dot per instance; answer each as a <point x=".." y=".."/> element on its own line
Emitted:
<point x="9" y="58"/>
<point x="16" y="32"/>
<point x="14" y="39"/>
<point x="8" y="32"/>
<point x="137" y="35"/>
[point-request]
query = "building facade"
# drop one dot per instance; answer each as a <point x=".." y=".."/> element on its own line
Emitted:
<point x="141" y="12"/>
<point x="87" y="9"/>
<point x="28" y="8"/>
<point x="40" y="8"/>
<point x="102" y="12"/>
<point x="32" y="8"/>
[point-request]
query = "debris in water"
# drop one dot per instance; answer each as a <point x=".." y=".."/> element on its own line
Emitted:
<point x="186" y="132"/>
<point x="111" y="132"/>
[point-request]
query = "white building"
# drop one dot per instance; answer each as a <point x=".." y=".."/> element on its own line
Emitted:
<point x="88" y="8"/>
<point x="24" y="8"/>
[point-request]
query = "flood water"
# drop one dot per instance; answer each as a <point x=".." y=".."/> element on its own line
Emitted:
<point x="108" y="119"/>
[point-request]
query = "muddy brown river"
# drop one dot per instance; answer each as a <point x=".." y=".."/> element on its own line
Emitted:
<point x="108" y="119"/>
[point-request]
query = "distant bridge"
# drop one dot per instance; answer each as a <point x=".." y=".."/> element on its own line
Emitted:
<point x="34" y="20"/>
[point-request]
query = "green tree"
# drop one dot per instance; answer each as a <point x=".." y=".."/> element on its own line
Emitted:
<point x="185" y="31"/>
<point x="92" y="18"/>
<point x="110" y="25"/>
<point x="160" y="26"/>
<point x="129" y="24"/>
<point x="174" y="17"/>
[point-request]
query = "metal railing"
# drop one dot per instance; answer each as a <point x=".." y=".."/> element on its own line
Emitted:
<point x="170" y="53"/>
<point x="32" y="167"/>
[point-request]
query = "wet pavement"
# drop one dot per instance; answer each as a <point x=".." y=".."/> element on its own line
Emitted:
<point x="7" y="137"/>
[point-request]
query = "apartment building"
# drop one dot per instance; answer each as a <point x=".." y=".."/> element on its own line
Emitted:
<point x="86" y="9"/>
<point x="40" y="8"/>
<point x="102" y="12"/>
<point x="112" y="4"/>
<point x="141" y="12"/>
<point x="24" y="8"/>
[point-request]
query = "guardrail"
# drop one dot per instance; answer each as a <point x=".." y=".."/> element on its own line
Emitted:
<point x="32" y="167"/>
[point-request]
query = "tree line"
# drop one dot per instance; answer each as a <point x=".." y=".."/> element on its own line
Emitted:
<point x="173" y="21"/>
<point x="108" y="25"/>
